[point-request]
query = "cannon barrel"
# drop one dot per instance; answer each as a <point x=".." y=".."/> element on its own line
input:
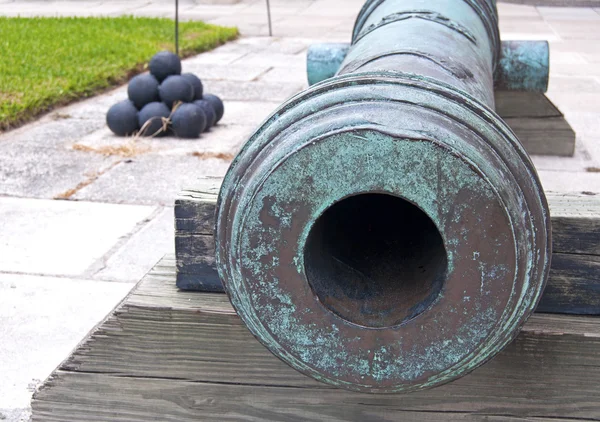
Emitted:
<point x="384" y="230"/>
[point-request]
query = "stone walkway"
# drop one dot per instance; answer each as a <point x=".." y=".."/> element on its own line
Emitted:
<point x="66" y="263"/>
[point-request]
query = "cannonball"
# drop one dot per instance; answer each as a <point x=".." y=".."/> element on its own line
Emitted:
<point x="217" y="105"/>
<point x="174" y="89"/>
<point x="153" y="113"/>
<point x="164" y="64"/>
<point x="143" y="89"/>
<point x="122" y="118"/>
<point x="188" y="121"/>
<point x="209" y="112"/>
<point x="196" y="83"/>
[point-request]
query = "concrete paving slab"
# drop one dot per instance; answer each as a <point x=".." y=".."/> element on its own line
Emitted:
<point x="38" y="172"/>
<point x="568" y="13"/>
<point x="232" y="72"/>
<point x="93" y="109"/>
<point x="61" y="237"/>
<point x="507" y="11"/>
<point x="286" y="75"/>
<point x="562" y="91"/>
<point x="218" y="9"/>
<point x="142" y="251"/>
<point x="331" y="9"/>
<point x="225" y="138"/>
<point x="41" y="320"/>
<point x="561" y="181"/>
<point x="57" y="129"/>
<point x="152" y="179"/>
<point x="255" y="91"/>
<point x="533" y="27"/>
<point x="249" y="113"/>
<point x="560" y="57"/>
<point x="585" y="123"/>
<point x="273" y="59"/>
<point x="592" y="145"/>
<point x="293" y="46"/>
<point x="587" y="48"/>
<point x="576" y="29"/>
<point x="252" y="19"/>
<point x="581" y="160"/>
<point x="15" y="415"/>
<point x="279" y="9"/>
<point x="270" y="45"/>
<point x="323" y="32"/>
<point x="214" y="58"/>
<point x="582" y="102"/>
<point x="575" y="69"/>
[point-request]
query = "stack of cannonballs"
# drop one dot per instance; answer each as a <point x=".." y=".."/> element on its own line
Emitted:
<point x="165" y="101"/>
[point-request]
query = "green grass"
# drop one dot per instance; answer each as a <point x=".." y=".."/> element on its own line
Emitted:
<point x="45" y="62"/>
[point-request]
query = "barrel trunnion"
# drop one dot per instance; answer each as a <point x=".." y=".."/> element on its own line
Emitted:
<point x="384" y="230"/>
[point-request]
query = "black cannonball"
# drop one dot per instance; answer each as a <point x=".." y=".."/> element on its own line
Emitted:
<point x="174" y="89"/>
<point x="196" y="83"/>
<point x="164" y="64"/>
<point x="143" y="89"/>
<point x="217" y="105"/>
<point x="122" y="118"/>
<point x="188" y="121"/>
<point x="209" y="111"/>
<point x="153" y="112"/>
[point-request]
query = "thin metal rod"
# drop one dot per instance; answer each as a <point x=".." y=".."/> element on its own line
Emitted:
<point x="269" y="16"/>
<point x="177" y="27"/>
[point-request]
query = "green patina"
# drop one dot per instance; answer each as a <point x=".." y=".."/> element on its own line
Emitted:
<point x="401" y="164"/>
<point x="423" y="132"/>
<point x="523" y="65"/>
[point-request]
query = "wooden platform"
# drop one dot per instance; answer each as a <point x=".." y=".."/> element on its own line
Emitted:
<point x="573" y="285"/>
<point x="169" y="355"/>
<point x="538" y="123"/>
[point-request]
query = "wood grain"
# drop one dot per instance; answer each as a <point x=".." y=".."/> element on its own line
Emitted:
<point x="170" y="355"/>
<point x="573" y="285"/>
<point x="539" y="124"/>
<point x="574" y="216"/>
<point x="524" y="104"/>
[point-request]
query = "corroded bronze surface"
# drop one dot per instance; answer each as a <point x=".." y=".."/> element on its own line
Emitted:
<point x="523" y="65"/>
<point x="384" y="230"/>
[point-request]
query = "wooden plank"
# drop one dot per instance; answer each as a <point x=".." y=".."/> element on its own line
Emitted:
<point x="524" y="104"/>
<point x="537" y="122"/>
<point x="575" y="223"/>
<point x="170" y="355"/>
<point x="108" y="398"/>
<point x="573" y="285"/>
<point x="544" y="135"/>
<point x="194" y="208"/>
<point x="196" y="269"/>
<point x="575" y="216"/>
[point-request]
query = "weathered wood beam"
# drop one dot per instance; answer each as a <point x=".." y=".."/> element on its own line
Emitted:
<point x="169" y="355"/>
<point x="573" y="285"/>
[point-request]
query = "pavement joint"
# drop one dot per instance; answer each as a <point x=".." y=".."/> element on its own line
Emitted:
<point x="91" y="178"/>
<point x="97" y="267"/>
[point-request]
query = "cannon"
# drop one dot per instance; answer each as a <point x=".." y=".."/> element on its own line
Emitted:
<point x="384" y="231"/>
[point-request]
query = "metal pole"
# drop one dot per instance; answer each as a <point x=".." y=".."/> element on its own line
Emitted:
<point x="269" y="17"/>
<point x="177" y="27"/>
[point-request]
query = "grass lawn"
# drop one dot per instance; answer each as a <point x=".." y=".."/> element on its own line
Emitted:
<point x="46" y="62"/>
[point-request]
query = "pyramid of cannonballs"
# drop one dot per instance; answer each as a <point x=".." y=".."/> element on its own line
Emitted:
<point x="165" y="101"/>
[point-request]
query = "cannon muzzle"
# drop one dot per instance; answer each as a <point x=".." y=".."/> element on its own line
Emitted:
<point x="384" y="230"/>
